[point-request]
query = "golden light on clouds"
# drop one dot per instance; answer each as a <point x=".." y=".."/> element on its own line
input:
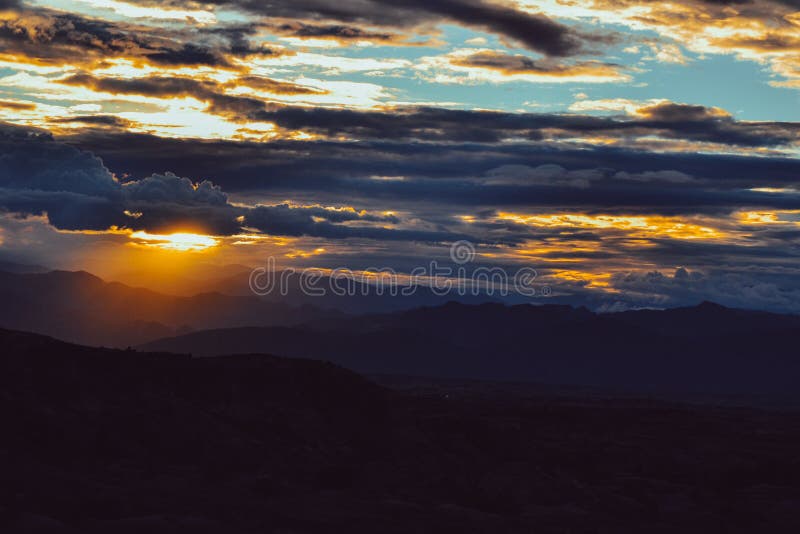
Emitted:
<point x="305" y="253"/>
<point x="791" y="217"/>
<point x="636" y="225"/>
<point x="588" y="279"/>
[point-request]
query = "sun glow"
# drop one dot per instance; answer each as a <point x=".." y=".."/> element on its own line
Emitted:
<point x="179" y="241"/>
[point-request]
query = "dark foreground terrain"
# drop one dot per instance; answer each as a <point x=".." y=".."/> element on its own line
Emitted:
<point x="112" y="441"/>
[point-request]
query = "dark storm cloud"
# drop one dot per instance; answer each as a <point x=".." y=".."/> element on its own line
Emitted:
<point x="286" y="220"/>
<point x="487" y="126"/>
<point x="535" y="32"/>
<point x="31" y="159"/>
<point x="64" y="210"/>
<point x="466" y="175"/>
<point x="73" y="188"/>
<point x="77" y="192"/>
<point x="243" y="166"/>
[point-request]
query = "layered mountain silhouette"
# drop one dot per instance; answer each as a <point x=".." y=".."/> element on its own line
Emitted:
<point x="704" y="349"/>
<point x="83" y="308"/>
<point x="80" y="307"/>
<point x="101" y="440"/>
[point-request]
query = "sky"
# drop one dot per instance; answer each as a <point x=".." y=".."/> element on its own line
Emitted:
<point x="634" y="153"/>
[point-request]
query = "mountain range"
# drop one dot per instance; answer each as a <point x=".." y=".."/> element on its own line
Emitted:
<point x="702" y="349"/>
<point x="80" y="307"/>
<point x="706" y="349"/>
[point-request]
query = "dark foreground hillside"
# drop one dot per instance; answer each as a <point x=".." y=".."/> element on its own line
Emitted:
<point x="110" y="441"/>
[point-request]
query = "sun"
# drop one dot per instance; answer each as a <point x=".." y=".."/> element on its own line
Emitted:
<point x="179" y="241"/>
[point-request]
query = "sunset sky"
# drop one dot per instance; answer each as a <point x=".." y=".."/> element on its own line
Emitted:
<point x="635" y="153"/>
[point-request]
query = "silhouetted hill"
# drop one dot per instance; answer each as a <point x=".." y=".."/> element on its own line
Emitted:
<point x="704" y="349"/>
<point x="80" y="307"/>
<point x="100" y="440"/>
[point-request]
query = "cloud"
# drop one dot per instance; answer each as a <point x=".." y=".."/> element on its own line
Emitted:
<point x="534" y="31"/>
<point x="674" y="112"/>
<point x="40" y="176"/>
<point x="671" y="176"/>
<point x="626" y="105"/>
<point x="450" y="170"/>
<point x="236" y="108"/>
<point x="763" y="31"/>
<point x="17" y="106"/>
<point x="171" y="188"/>
<point x="284" y="219"/>
<point x="547" y="175"/>
<point x="276" y="87"/>
<point x="520" y="67"/>
<point x="668" y="120"/>
<point x="672" y="121"/>
<point x="339" y="33"/>
<point x="560" y="217"/>
<point x="64" y="38"/>
<point x="43" y="36"/>
<point x="31" y="159"/>
<point x="110" y="121"/>
<point x="586" y="198"/>
<point x="734" y="289"/>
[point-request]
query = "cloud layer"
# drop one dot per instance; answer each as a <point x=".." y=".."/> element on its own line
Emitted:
<point x="635" y="153"/>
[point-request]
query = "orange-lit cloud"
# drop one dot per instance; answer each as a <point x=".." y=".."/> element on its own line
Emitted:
<point x="764" y="32"/>
<point x="476" y="65"/>
<point x="635" y="226"/>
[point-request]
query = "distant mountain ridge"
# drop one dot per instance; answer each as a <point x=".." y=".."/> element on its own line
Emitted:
<point x="82" y="308"/>
<point x="706" y="348"/>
